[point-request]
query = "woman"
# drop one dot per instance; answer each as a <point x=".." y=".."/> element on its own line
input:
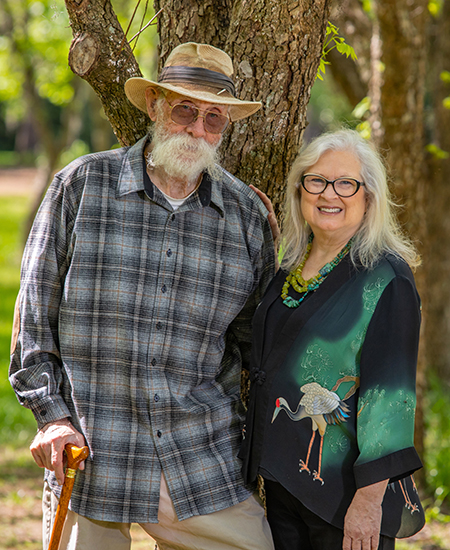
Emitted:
<point x="331" y="412"/>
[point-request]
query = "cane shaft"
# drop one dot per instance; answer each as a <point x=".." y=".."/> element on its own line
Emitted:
<point x="61" y="512"/>
<point x="75" y="456"/>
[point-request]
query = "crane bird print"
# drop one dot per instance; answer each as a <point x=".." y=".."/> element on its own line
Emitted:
<point x="323" y="407"/>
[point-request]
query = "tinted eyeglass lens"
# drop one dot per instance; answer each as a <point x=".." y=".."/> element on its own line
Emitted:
<point x="344" y="187"/>
<point x="183" y="114"/>
<point x="215" y="123"/>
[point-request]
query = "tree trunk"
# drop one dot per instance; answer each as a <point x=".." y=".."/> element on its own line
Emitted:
<point x="100" y="54"/>
<point x="403" y="35"/>
<point x="438" y="202"/>
<point x="201" y="21"/>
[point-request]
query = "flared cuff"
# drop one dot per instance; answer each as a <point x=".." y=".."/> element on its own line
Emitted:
<point x="393" y="467"/>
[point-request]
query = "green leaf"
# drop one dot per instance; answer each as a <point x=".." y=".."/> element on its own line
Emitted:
<point x="445" y="76"/>
<point x="331" y="29"/>
<point x="435" y="7"/>
<point x="362" y="108"/>
<point x="321" y="69"/>
<point x="437" y="152"/>
<point x="364" y="129"/>
<point x="334" y="41"/>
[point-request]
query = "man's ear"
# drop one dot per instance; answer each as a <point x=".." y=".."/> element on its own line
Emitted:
<point x="151" y="95"/>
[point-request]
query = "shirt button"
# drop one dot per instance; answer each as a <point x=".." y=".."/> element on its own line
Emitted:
<point x="163" y="288"/>
<point x="169" y="253"/>
<point x="158" y="433"/>
<point x="156" y="398"/>
<point x="158" y="325"/>
<point x="153" y="361"/>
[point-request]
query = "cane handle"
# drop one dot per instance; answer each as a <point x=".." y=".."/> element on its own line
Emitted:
<point x="75" y="455"/>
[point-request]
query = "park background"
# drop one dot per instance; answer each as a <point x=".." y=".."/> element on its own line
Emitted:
<point x="49" y="116"/>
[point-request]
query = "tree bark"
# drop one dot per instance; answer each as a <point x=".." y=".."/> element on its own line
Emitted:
<point x="100" y="54"/>
<point x="276" y="48"/>
<point x="438" y="204"/>
<point x="201" y="21"/>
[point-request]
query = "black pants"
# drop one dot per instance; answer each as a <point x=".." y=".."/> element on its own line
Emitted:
<point x="294" y="527"/>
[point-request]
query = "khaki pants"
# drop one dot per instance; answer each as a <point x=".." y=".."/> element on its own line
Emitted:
<point x="242" y="526"/>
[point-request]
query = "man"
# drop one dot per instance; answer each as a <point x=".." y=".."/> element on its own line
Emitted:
<point x="139" y="281"/>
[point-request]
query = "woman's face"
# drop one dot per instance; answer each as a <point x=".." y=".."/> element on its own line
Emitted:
<point x="328" y="214"/>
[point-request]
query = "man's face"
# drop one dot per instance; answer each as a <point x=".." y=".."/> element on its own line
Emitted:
<point x="197" y="128"/>
<point x="184" y="151"/>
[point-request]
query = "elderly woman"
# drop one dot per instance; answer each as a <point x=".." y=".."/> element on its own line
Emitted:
<point x="331" y="413"/>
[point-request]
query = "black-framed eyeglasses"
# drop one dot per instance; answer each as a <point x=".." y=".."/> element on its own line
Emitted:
<point x="344" y="187"/>
<point x="185" y="114"/>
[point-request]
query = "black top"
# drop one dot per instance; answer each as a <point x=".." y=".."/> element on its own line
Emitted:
<point x="332" y="398"/>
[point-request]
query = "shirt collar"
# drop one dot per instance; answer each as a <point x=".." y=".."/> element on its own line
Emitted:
<point x="133" y="177"/>
<point x="131" y="174"/>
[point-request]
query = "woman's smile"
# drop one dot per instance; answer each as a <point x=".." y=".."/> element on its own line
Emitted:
<point x="328" y="214"/>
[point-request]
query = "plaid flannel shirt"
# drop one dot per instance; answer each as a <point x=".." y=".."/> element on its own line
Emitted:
<point x="135" y="322"/>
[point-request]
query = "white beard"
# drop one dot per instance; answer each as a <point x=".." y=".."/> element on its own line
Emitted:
<point x="183" y="156"/>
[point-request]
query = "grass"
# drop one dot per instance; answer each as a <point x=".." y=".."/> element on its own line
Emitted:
<point x="16" y="424"/>
<point x="437" y="443"/>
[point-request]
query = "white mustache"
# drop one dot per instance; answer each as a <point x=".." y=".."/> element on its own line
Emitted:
<point x="181" y="155"/>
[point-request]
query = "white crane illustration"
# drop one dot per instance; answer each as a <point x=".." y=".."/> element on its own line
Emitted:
<point x="323" y="407"/>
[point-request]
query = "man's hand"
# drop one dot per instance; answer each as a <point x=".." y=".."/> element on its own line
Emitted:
<point x="363" y="519"/>
<point x="271" y="217"/>
<point x="47" y="447"/>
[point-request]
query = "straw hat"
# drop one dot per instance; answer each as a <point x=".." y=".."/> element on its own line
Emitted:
<point x="197" y="71"/>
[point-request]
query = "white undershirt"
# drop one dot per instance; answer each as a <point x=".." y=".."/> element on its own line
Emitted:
<point x="176" y="203"/>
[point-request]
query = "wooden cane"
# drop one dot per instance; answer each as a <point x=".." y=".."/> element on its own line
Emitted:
<point x="75" y="456"/>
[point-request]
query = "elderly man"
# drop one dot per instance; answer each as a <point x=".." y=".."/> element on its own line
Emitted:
<point x="139" y="281"/>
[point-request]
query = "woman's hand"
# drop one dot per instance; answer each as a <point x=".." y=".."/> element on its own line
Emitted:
<point x="363" y="518"/>
<point x="48" y="446"/>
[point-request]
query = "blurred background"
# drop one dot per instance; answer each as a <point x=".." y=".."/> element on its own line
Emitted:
<point x="48" y="117"/>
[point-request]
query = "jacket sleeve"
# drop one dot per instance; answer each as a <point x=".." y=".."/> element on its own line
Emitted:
<point x="387" y="399"/>
<point x="35" y="371"/>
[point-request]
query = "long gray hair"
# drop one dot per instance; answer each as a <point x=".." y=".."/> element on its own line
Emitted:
<point x="379" y="232"/>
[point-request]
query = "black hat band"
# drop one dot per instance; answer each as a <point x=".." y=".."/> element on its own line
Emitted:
<point x="179" y="74"/>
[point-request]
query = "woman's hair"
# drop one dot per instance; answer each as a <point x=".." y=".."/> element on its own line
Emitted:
<point x="379" y="232"/>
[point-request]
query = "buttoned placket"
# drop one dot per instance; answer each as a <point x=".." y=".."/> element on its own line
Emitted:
<point x="160" y="394"/>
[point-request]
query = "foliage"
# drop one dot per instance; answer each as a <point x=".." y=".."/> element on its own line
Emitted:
<point x="327" y="109"/>
<point x="35" y="37"/>
<point x="436" y="151"/>
<point x="435" y="7"/>
<point x="39" y="38"/>
<point x="362" y="112"/>
<point x="133" y="17"/>
<point x="437" y="442"/>
<point x="333" y="40"/>
<point x="445" y="77"/>
<point x="16" y="424"/>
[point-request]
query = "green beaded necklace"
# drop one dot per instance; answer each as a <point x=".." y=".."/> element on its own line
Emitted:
<point x="304" y="287"/>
